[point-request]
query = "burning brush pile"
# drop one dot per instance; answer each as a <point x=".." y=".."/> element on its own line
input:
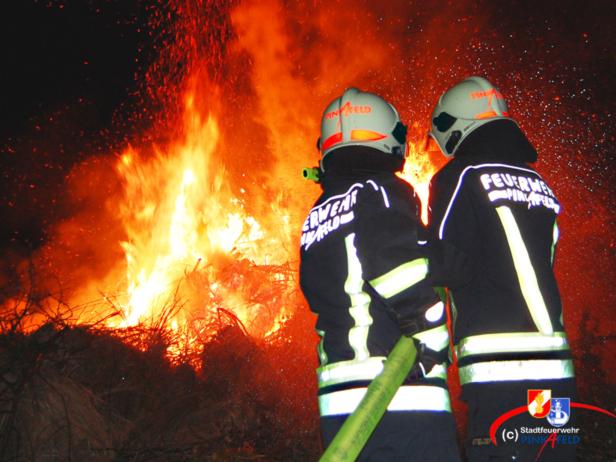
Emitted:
<point x="185" y="348"/>
<point x="162" y="318"/>
<point x="98" y="394"/>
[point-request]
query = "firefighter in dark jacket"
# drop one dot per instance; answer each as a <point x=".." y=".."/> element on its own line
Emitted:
<point x="364" y="275"/>
<point x="493" y="207"/>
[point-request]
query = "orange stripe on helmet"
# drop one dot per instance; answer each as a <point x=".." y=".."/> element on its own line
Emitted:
<point x="487" y="94"/>
<point x="356" y="135"/>
<point x="486" y="115"/>
<point x="490" y="113"/>
<point x="366" y="135"/>
<point x="330" y="141"/>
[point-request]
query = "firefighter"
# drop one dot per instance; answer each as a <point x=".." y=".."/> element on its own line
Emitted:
<point x="494" y="208"/>
<point x="364" y="275"/>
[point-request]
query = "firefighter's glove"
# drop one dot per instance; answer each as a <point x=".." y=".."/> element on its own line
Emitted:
<point x="425" y="360"/>
<point x="413" y="321"/>
<point x="410" y="326"/>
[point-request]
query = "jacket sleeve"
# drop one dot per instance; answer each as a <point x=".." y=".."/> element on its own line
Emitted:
<point x="452" y="228"/>
<point x="393" y="263"/>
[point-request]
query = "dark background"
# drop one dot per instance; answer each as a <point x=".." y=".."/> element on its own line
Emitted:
<point x="69" y="74"/>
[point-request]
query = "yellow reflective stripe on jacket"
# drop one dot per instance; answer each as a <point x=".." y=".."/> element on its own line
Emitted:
<point x="348" y="371"/>
<point x="401" y="278"/>
<point x="513" y="342"/>
<point x="360" y="301"/>
<point x="436" y="339"/>
<point x="438" y="371"/>
<point x="407" y="398"/>
<point x="525" y="271"/>
<point x="503" y="371"/>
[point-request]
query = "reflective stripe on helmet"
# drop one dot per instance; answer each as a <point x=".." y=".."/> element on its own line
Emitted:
<point x="401" y="278"/>
<point x="366" y="135"/>
<point x="331" y="140"/>
<point x="360" y="302"/>
<point x="493" y="108"/>
<point x="348" y="371"/>
<point x="503" y="371"/>
<point x="511" y="343"/>
<point x="407" y="398"/>
<point x="525" y="271"/>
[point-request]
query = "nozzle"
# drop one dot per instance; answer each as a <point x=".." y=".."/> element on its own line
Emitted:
<point x="312" y="173"/>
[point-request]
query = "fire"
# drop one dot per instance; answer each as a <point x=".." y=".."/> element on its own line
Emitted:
<point x="186" y="229"/>
<point x="203" y="222"/>
<point x="421" y="164"/>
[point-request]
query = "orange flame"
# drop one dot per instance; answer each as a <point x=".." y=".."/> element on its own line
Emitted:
<point x="186" y="228"/>
<point x="421" y="164"/>
<point x="207" y="220"/>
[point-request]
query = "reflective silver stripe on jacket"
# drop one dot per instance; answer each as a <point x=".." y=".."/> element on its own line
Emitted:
<point x="360" y="302"/>
<point x="348" y="371"/>
<point x="401" y="277"/>
<point x="502" y="371"/>
<point x="527" y="278"/>
<point x="436" y="338"/>
<point x="407" y="398"/>
<point x="511" y="343"/>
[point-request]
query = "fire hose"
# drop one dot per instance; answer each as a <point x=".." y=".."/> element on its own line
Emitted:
<point x="356" y="430"/>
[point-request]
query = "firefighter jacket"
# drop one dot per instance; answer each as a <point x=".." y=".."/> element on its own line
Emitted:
<point x="364" y="275"/>
<point x="498" y="211"/>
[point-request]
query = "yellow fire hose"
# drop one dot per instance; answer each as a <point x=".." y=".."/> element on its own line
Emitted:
<point x="356" y="430"/>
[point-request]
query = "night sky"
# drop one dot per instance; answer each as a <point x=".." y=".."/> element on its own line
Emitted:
<point x="68" y="74"/>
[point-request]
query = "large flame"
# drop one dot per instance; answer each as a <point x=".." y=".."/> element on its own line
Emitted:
<point x="421" y="164"/>
<point x="204" y="222"/>
<point x="191" y="245"/>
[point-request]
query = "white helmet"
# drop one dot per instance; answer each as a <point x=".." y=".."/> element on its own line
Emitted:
<point x="359" y="118"/>
<point x="464" y="108"/>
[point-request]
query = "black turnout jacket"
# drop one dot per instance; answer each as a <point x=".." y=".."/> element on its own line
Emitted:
<point x="491" y="205"/>
<point x="364" y="274"/>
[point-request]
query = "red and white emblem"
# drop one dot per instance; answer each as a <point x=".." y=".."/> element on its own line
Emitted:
<point x="539" y="403"/>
